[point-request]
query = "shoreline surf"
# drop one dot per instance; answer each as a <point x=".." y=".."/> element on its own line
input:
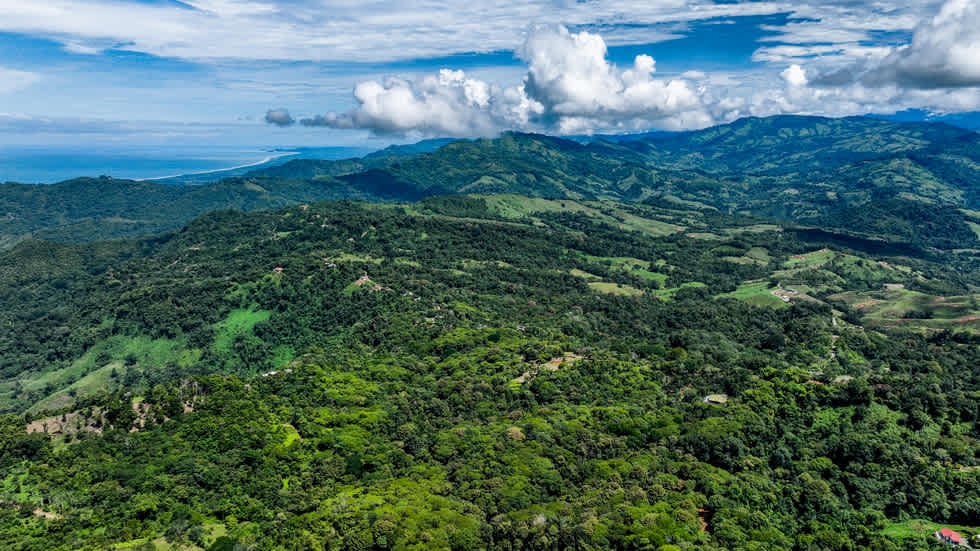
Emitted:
<point x="268" y="159"/>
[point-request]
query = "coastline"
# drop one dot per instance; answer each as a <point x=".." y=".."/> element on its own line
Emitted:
<point x="268" y="159"/>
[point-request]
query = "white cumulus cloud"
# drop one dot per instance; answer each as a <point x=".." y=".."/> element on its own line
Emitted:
<point x="570" y="76"/>
<point x="794" y="75"/>
<point x="944" y="52"/>
<point x="570" y="87"/>
<point x="445" y="104"/>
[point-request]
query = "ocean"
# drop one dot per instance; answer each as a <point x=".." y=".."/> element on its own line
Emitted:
<point x="46" y="165"/>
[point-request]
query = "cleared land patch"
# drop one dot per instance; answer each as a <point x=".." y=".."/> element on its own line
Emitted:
<point x="632" y="266"/>
<point x="896" y="306"/>
<point x="567" y="360"/>
<point x="668" y="294"/>
<point x="515" y="206"/>
<point x="920" y="529"/>
<point x="584" y="275"/>
<point x="238" y="323"/>
<point x="975" y="227"/>
<point x="810" y="260"/>
<point x="615" y="288"/>
<point x="350" y="257"/>
<point x="95" y="370"/>
<point x="706" y="236"/>
<point x="363" y="283"/>
<point x="759" y="293"/>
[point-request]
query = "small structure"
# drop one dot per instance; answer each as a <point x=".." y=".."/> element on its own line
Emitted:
<point x="277" y="269"/>
<point x="949" y="536"/>
<point x="716" y="399"/>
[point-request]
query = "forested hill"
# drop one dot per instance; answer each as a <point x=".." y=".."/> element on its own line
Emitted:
<point x="800" y="144"/>
<point x="921" y="181"/>
<point x="761" y="336"/>
<point x="487" y="372"/>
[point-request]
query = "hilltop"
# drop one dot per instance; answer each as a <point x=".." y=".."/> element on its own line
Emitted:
<point x="469" y="371"/>
<point x="920" y="179"/>
<point x="757" y="336"/>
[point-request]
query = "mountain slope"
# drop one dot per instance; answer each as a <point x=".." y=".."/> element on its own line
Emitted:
<point x="806" y="170"/>
<point x="484" y="373"/>
<point x="800" y="145"/>
<point x="88" y="209"/>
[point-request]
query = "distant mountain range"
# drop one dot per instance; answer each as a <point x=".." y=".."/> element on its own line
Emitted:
<point x="921" y="181"/>
<point x="763" y="335"/>
<point x="969" y="120"/>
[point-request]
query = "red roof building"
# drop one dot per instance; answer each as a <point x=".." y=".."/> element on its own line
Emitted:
<point x="949" y="536"/>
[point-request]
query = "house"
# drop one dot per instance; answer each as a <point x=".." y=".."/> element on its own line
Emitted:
<point x="949" y="536"/>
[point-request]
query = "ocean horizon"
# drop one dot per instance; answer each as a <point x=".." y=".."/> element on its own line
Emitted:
<point x="50" y="165"/>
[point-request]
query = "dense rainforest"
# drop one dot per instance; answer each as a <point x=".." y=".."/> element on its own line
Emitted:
<point x="921" y="178"/>
<point x="487" y="370"/>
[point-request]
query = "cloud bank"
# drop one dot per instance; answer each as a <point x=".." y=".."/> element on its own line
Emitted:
<point x="445" y="104"/>
<point x="338" y="30"/>
<point x="570" y="87"/>
<point x="577" y="88"/>
<point x="944" y="53"/>
<point x="309" y="54"/>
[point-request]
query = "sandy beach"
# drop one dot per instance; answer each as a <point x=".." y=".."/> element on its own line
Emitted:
<point x="268" y="159"/>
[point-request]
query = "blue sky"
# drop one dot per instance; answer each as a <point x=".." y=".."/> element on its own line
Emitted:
<point x="336" y="72"/>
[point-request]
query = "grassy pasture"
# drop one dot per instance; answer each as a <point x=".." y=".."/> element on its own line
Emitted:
<point x="758" y="293"/>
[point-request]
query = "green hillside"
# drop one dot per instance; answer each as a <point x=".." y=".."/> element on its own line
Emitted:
<point x="912" y="179"/>
<point x="494" y="371"/>
<point x="809" y="170"/>
<point x="799" y="144"/>
<point x="89" y="209"/>
<point x="763" y="335"/>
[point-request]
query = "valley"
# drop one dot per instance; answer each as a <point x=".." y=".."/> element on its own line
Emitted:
<point x="504" y="344"/>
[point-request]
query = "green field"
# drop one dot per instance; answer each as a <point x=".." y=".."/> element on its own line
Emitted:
<point x="350" y="257"/>
<point x="921" y="529"/>
<point x="632" y="266"/>
<point x="584" y="275"/>
<point x="755" y="228"/>
<point x="667" y="294"/>
<point x="975" y="227"/>
<point x="739" y="260"/>
<point x="758" y="293"/>
<point x="238" y="323"/>
<point x="706" y="236"/>
<point x="100" y="379"/>
<point x="810" y="260"/>
<point x="210" y="531"/>
<point x="515" y="206"/>
<point x="93" y="371"/>
<point x="614" y="288"/>
<point x="760" y="254"/>
<point x="899" y="307"/>
<point x="755" y="255"/>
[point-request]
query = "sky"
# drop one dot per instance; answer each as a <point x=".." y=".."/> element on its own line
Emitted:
<point x="363" y="72"/>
